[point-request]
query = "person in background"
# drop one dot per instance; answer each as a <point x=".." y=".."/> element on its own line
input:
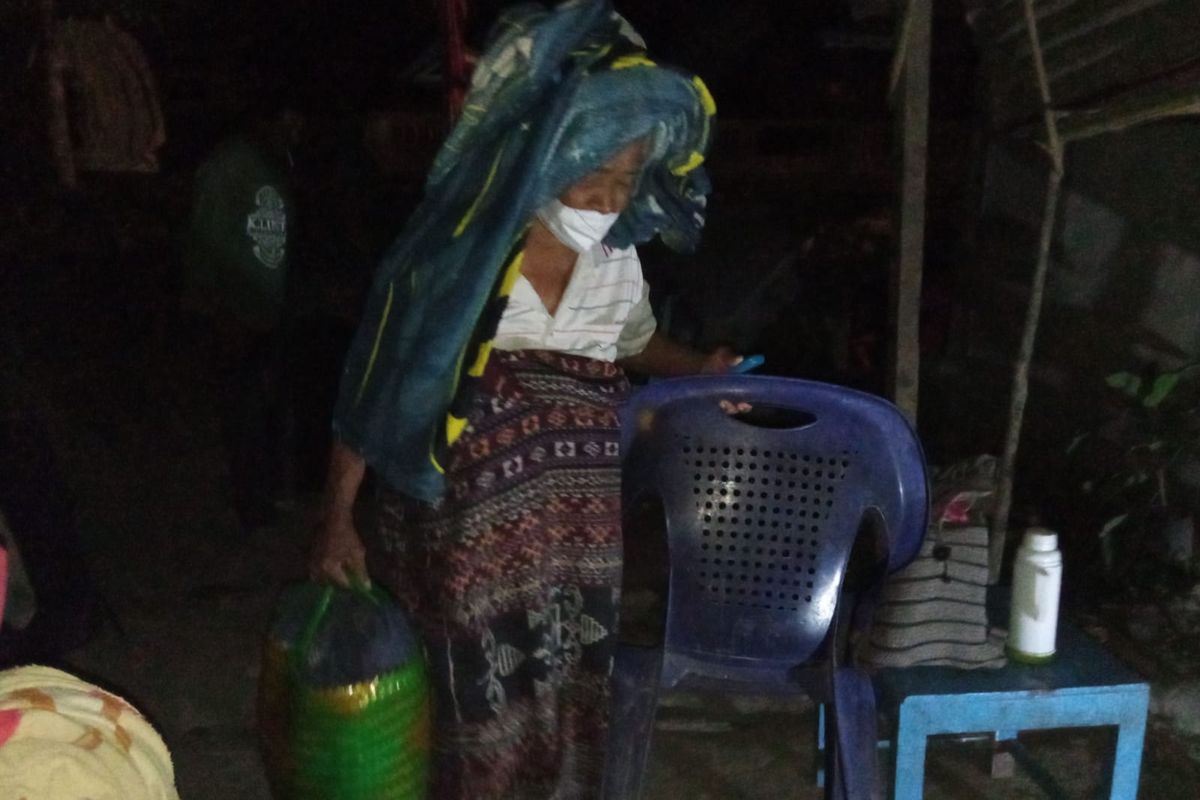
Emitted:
<point x="237" y="253"/>
<point x="483" y="385"/>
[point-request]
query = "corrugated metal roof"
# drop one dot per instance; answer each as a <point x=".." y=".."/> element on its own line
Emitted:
<point x="1093" y="49"/>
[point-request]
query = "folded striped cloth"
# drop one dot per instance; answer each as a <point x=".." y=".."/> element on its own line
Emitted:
<point x="934" y="611"/>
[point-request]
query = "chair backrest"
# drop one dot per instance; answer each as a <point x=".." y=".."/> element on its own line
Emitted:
<point x="762" y="509"/>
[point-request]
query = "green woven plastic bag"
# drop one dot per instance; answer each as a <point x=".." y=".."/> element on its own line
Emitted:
<point x="362" y="737"/>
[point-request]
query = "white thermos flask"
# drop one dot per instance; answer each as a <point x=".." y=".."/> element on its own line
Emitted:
<point x="1037" y="581"/>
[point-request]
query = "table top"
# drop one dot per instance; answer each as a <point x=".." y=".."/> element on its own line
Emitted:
<point x="1079" y="663"/>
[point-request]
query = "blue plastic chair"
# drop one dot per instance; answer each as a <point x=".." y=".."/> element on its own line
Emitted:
<point x="763" y="514"/>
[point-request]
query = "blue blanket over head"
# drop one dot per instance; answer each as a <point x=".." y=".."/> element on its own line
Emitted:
<point x="555" y="95"/>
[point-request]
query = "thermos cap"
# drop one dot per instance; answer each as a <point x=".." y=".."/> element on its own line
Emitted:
<point x="1040" y="540"/>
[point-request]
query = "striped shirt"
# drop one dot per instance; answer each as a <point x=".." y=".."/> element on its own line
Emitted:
<point x="604" y="312"/>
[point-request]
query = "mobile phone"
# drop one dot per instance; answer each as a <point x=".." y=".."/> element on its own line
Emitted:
<point x="747" y="364"/>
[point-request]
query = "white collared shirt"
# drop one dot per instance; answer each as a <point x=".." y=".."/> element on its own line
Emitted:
<point x="604" y="312"/>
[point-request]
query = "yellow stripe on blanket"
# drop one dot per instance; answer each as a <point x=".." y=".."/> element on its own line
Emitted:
<point x="706" y="98"/>
<point x="635" y="60"/>
<point x="487" y="184"/>
<point x="456" y="425"/>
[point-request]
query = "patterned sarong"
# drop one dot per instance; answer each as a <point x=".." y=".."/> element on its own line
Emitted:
<point x="513" y="580"/>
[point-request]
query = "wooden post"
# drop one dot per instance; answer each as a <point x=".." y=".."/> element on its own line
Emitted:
<point x="911" y="72"/>
<point x="453" y="15"/>
<point x="1020" y="389"/>
<point x="62" y="154"/>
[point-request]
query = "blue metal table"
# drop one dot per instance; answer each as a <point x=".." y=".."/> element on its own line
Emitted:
<point x="1083" y="686"/>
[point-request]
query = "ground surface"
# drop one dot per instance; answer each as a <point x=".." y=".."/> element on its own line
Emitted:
<point x="137" y="439"/>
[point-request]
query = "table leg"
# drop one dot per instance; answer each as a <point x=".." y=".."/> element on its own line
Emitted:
<point x="1004" y="765"/>
<point x="1128" y="762"/>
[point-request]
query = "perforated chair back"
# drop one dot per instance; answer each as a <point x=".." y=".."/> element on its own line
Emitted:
<point x="762" y="510"/>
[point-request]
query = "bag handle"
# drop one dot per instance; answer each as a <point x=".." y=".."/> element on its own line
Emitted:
<point x="299" y="655"/>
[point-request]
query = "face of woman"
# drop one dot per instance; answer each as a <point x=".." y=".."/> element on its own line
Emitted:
<point x="610" y="188"/>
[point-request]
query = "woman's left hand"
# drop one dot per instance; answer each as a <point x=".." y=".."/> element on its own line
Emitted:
<point x="720" y="361"/>
<point x="731" y="408"/>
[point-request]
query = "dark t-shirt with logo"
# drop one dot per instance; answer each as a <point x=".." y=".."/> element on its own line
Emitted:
<point x="236" y="253"/>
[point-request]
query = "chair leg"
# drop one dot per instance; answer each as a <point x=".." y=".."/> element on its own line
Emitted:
<point x="854" y="737"/>
<point x="832" y="778"/>
<point x="819" y="761"/>
<point x="635" y="679"/>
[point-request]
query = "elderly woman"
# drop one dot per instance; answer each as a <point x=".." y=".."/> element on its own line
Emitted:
<point x="484" y="383"/>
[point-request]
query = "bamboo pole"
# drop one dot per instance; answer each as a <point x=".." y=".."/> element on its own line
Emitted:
<point x="1020" y="389"/>
<point x="910" y="91"/>
<point x="1138" y="107"/>
<point x="1182" y="101"/>
<point x="58" y="129"/>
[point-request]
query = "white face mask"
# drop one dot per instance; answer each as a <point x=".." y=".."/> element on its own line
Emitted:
<point x="577" y="228"/>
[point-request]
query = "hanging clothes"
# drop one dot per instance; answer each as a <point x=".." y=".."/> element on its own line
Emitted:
<point x="116" y="122"/>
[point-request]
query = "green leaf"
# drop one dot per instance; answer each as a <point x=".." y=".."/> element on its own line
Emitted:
<point x="1078" y="440"/>
<point x="1108" y="552"/>
<point x="1125" y="382"/>
<point x="1111" y="524"/>
<point x="1163" y="385"/>
<point x="1135" y="478"/>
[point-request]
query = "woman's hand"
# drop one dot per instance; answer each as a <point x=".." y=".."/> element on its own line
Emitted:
<point x="665" y="358"/>
<point x="720" y="361"/>
<point x="731" y="408"/>
<point x="338" y="555"/>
